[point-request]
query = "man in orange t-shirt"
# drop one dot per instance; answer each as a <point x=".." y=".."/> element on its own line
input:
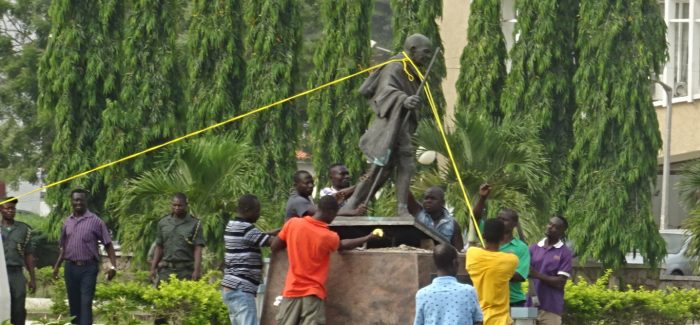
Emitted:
<point x="309" y="245"/>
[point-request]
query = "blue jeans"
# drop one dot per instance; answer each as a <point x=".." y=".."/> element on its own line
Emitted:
<point x="241" y="307"/>
<point x="80" y="284"/>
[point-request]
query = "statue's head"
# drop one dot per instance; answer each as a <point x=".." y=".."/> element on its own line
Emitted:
<point x="419" y="48"/>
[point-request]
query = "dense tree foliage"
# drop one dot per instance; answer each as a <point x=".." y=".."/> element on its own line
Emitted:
<point x="215" y="51"/>
<point x="272" y="45"/>
<point x="482" y="69"/>
<point x="621" y="44"/>
<point x="147" y="111"/>
<point x="77" y="81"/>
<point x="337" y="115"/>
<point x="539" y="85"/>
<point x="23" y="36"/>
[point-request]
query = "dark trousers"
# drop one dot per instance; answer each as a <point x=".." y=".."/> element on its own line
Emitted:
<point x="80" y="284"/>
<point x="18" y="294"/>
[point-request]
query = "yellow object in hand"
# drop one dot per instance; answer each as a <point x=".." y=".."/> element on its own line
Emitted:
<point x="378" y="232"/>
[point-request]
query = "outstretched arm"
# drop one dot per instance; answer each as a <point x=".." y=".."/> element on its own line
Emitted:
<point x="348" y="244"/>
<point x="413" y="206"/>
<point x="484" y="191"/>
<point x="277" y="244"/>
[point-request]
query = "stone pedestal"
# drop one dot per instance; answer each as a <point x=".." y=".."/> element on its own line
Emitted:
<point x="371" y="287"/>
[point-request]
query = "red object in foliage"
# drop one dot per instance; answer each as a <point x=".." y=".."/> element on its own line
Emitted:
<point x="302" y="155"/>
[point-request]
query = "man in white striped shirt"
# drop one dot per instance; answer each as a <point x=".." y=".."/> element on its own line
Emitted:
<point x="341" y="190"/>
<point x="243" y="262"/>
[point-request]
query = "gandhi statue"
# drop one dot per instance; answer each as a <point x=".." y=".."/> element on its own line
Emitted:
<point x="391" y="91"/>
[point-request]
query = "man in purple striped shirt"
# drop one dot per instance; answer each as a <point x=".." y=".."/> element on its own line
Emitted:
<point x="80" y="234"/>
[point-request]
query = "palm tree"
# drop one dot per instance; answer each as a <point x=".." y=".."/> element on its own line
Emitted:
<point x="510" y="158"/>
<point x="213" y="172"/>
<point x="689" y="188"/>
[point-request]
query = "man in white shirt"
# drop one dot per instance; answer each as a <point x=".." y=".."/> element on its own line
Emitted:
<point x="340" y="189"/>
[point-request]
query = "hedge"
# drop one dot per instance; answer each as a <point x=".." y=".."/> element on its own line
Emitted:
<point x="199" y="302"/>
<point x="594" y="303"/>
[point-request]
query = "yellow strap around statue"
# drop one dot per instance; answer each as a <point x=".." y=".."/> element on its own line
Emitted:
<point x="189" y="135"/>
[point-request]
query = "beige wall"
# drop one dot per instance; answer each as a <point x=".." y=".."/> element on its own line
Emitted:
<point x="453" y="31"/>
<point x="685" y="136"/>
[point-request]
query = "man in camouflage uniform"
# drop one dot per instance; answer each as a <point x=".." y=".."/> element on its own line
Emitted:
<point x="19" y="250"/>
<point x="179" y="244"/>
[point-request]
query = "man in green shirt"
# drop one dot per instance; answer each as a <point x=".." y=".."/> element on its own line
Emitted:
<point x="179" y="244"/>
<point x="510" y="244"/>
<point x="19" y="250"/>
<point x="516" y="246"/>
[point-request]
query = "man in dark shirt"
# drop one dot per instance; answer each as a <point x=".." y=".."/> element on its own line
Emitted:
<point x="80" y="234"/>
<point x="300" y="203"/>
<point x="434" y="215"/>
<point x="179" y="244"/>
<point x="19" y="250"/>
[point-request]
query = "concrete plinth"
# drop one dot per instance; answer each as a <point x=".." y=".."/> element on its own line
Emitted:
<point x="371" y="287"/>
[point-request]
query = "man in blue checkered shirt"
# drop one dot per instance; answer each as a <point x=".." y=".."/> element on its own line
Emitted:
<point x="446" y="301"/>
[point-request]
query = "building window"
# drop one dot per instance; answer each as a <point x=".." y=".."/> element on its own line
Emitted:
<point x="683" y="36"/>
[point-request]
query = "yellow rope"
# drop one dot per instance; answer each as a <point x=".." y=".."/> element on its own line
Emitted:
<point x="436" y="115"/>
<point x="189" y="135"/>
<point x="282" y="101"/>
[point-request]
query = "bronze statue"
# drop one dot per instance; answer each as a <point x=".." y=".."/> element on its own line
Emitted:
<point x="391" y="91"/>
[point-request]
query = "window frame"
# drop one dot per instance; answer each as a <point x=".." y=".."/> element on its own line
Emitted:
<point x="693" y="49"/>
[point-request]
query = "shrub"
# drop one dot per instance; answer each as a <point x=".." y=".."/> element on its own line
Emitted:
<point x="189" y="302"/>
<point x="595" y="303"/>
<point x="59" y="306"/>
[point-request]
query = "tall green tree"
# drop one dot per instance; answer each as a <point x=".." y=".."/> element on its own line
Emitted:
<point x="148" y="110"/>
<point x="338" y="115"/>
<point x="23" y="38"/>
<point x="540" y="83"/>
<point x="420" y="16"/>
<point x="272" y="43"/>
<point x="482" y="71"/>
<point x="77" y="80"/>
<point x="216" y="69"/>
<point x="621" y="44"/>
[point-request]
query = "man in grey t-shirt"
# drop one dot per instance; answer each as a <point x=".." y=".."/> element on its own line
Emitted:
<point x="300" y="202"/>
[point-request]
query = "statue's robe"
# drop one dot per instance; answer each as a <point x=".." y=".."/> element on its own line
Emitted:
<point x="386" y="89"/>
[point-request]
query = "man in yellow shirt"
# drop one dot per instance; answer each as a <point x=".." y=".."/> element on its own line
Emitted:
<point x="491" y="271"/>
